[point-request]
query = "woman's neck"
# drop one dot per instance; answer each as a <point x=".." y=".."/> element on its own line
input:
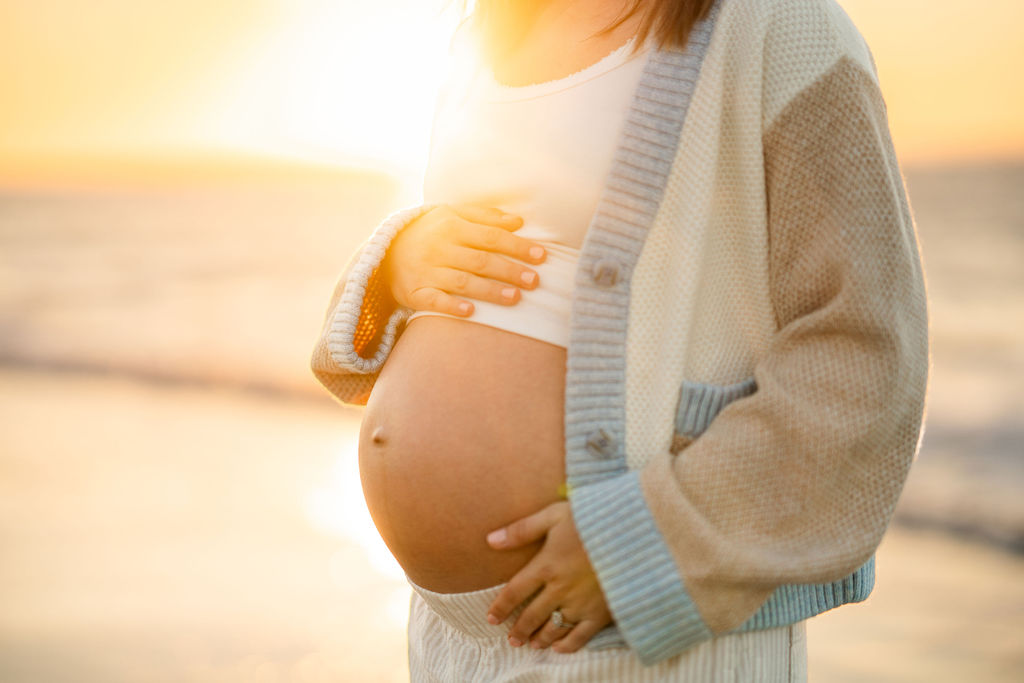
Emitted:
<point x="565" y="38"/>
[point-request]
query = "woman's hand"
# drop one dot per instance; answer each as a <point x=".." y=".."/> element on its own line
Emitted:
<point x="455" y="250"/>
<point x="562" y="572"/>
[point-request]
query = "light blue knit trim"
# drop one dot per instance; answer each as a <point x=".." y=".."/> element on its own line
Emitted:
<point x="787" y="605"/>
<point x="700" y="403"/>
<point x="345" y="318"/>
<point x="652" y="609"/>
<point x="595" y="394"/>
<point x="795" y="602"/>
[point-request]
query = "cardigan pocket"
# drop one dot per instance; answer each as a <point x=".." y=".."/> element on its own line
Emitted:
<point x="699" y="404"/>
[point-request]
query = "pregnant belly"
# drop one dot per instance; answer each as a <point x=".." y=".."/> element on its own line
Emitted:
<point x="462" y="434"/>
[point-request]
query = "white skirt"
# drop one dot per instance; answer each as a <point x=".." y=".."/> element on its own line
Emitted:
<point x="450" y="640"/>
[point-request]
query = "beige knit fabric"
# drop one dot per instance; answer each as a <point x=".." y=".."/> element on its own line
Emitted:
<point x="785" y="251"/>
<point x="345" y="386"/>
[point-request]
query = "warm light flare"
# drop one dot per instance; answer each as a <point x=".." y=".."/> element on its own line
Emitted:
<point x="339" y="82"/>
<point x="338" y="508"/>
<point x="948" y="72"/>
<point x="344" y="84"/>
<point x="353" y="83"/>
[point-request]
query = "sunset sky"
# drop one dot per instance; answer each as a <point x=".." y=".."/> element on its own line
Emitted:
<point x="351" y="82"/>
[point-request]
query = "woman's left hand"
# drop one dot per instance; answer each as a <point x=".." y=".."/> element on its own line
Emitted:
<point x="562" y="572"/>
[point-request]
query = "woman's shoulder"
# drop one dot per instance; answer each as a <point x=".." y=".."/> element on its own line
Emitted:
<point x="798" y="36"/>
<point x="798" y="43"/>
<point x="815" y="32"/>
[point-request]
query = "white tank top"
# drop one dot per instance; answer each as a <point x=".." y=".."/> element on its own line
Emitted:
<point x="539" y="151"/>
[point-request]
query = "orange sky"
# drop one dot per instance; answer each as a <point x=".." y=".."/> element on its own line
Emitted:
<point x="326" y="80"/>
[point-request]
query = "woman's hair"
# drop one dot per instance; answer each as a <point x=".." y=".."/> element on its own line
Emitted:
<point x="499" y="25"/>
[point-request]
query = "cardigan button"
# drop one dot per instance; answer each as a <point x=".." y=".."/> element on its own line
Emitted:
<point x="606" y="272"/>
<point x="601" y="443"/>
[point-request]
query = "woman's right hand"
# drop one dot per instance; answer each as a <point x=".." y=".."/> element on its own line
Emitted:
<point x="455" y="251"/>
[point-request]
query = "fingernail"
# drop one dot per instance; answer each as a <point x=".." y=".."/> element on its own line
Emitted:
<point x="535" y="644"/>
<point x="493" y="620"/>
<point x="528" y="277"/>
<point x="536" y="252"/>
<point x="496" y="537"/>
<point x="510" y="218"/>
<point x="509" y="293"/>
<point x="514" y="642"/>
<point x="464" y="307"/>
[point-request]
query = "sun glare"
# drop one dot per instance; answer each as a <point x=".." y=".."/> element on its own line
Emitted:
<point x="339" y="82"/>
<point x="340" y="85"/>
<point x="339" y="509"/>
<point x="353" y="83"/>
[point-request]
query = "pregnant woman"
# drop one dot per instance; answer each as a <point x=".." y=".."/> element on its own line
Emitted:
<point x="644" y="372"/>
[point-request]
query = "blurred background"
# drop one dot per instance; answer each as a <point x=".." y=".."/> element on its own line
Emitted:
<point x="180" y="186"/>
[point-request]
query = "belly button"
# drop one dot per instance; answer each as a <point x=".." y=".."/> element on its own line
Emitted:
<point x="378" y="436"/>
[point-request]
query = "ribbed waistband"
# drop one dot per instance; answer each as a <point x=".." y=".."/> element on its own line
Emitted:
<point x="467" y="612"/>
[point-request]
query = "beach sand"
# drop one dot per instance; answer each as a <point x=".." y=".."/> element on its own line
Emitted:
<point x="163" y="533"/>
<point x="159" y="532"/>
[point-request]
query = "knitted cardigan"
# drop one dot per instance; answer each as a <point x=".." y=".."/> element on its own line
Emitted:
<point x="748" y="353"/>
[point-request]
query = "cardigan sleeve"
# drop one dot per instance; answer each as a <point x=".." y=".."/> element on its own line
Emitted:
<point x="363" y="321"/>
<point x="796" y="482"/>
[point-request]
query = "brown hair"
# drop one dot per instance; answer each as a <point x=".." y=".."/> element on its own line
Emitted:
<point x="500" y="25"/>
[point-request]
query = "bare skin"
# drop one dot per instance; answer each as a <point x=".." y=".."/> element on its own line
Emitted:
<point x="561" y="41"/>
<point x="463" y="432"/>
<point x="466" y="442"/>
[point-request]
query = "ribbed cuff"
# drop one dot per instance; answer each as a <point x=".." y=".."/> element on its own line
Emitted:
<point x="700" y="403"/>
<point x="640" y="580"/>
<point x="345" y="320"/>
